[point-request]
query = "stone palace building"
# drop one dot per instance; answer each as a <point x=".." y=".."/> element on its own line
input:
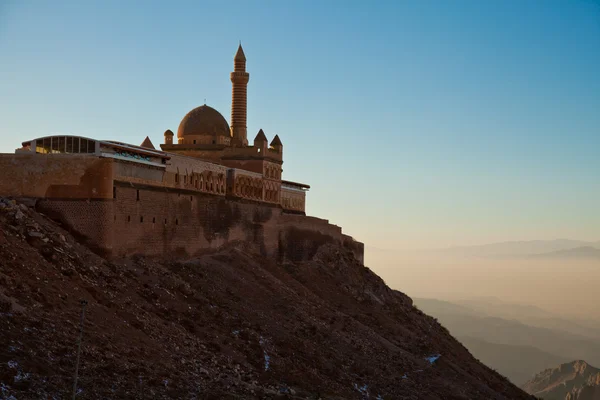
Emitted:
<point x="208" y="187"/>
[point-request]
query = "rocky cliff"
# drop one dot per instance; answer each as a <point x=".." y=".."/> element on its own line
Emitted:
<point x="228" y="324"/>
<point x="576" y="380"/>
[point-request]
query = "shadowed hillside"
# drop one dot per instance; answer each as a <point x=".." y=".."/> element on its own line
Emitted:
<point x="228" y="324"/>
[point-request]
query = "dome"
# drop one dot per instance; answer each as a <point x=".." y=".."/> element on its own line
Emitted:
<point x="203" y="120"/>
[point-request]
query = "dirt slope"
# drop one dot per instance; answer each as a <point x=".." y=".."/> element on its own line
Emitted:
<point x="226" y="325"/>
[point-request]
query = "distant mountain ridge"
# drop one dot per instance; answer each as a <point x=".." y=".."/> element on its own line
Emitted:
<point x="589" y="252"/>
<point x="576" y="380"/>
<point x="484" y="308"/>
<point x="514" y="361"/>
<point x="521" y="248"/>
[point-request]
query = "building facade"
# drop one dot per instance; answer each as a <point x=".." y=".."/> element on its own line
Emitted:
<point x="209" y="188"/>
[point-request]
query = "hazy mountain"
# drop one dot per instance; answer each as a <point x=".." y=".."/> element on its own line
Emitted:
<point x="516" y="349"/>
<point x="514" y="362"/>
<point x="437" y="307"/>
<point x="494" y="307"/>
<point x="530" y="315"/>
<point x="526" y="314"/>
<point x="517" y="248"/>
<point x="503" y="331"/>
<point x="576" y="380"/>
<point x="575" y="253"/>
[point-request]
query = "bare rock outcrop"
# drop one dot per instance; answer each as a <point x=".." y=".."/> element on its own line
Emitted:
<point x="576" y="380"/>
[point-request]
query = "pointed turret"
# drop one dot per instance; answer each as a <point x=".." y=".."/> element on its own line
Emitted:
<point x="261" y="142"/>
<point x="147" y="143"/>
<point x="276" y="144"/>
<point x="260" y="137"/>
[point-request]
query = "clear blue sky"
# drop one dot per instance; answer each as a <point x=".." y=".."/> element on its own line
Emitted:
<point x="416" y="123"/>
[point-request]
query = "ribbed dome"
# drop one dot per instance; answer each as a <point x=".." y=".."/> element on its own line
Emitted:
<point x="203" y="120"/>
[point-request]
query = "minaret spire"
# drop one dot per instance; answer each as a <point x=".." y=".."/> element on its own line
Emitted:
<point x="239" y="80"/>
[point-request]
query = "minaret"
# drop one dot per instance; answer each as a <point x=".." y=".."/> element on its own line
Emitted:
<point x="239" y="82"/>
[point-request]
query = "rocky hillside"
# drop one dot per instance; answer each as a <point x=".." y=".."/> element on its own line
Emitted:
<point x="225" y="325"/>
<point x="576" y="380"/>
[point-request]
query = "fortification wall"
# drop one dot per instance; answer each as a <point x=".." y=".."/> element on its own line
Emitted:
<point x="181" y="224"/>
<point x="89" y="220"/>
<point x="117" y="216"/>
<point x="59" y="176"/>
<point x="155" y="221"/>
<point x="357" y="248"/>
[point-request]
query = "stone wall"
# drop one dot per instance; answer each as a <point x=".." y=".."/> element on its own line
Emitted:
<point x="61" y="176"/>
<point x="292" y="199"/>
<point x="117" y="216"/>
<point x="162" y="222"/>
<point x="88" y="220"/>
<point x="184" y="223"/>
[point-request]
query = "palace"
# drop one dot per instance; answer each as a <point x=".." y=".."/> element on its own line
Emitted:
<point x="208" y="188"/>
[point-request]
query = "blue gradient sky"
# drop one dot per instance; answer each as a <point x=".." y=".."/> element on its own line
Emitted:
<point x="417" y="123"/>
